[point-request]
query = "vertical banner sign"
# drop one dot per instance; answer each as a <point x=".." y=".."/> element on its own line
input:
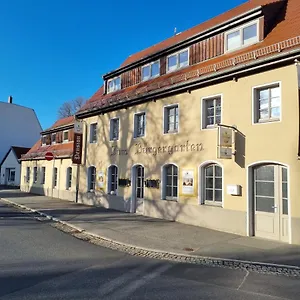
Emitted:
<point x="225" y="142"/>
<point x="188" y="182"/>
<point x="100" y="181"/>
<point x="77" y="146"/>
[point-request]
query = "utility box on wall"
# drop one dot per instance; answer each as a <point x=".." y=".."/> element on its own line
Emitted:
<point x="234" y="189"/>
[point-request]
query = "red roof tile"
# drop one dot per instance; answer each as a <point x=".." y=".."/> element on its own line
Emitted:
<point x="62" y="122"/>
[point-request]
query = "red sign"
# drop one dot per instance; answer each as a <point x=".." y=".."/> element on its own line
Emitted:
<point x="49" y="156"/>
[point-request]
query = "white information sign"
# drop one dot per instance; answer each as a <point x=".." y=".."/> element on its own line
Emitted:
<point x="224" y="153"/>
<point x="188" y="182"/>
<point x="78" y="127"/>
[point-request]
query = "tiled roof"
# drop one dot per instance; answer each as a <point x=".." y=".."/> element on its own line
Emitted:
<point x="62" y="122"/>
<point x="38" y="151"/>
<point x="283" y="37"/>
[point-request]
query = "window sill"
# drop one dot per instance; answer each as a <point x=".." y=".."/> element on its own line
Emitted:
<point x="267" y="121"/>
<point x="213" y="204"/>
<point x="170" y="199"/>
<point x="171" y="132"/>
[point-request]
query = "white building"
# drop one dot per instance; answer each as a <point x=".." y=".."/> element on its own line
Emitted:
<point x="11" y="166"/>
<point x="19" y="126"/>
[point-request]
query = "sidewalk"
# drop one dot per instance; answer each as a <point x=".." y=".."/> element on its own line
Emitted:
<point x="159" y="235"/>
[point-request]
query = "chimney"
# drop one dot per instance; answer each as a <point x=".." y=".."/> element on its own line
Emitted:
<point x="10" y="98"/>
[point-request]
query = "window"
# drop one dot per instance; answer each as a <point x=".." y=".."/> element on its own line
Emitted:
<point x="55" y="177"/>
<point x="170" y="188"/>
<point x="150" y="71"/>
<point x="69" y="178"/>
<point x="35" y="174"/>
<point x="43" y="175"/>
<point x="65" y="136"/>
<point x="242" y="36"/>
<point x="139" y="124"/>
<point x="213" y="184"/>
<point x="93" y="133"/>
<point x="114" y="84"/>
<point x="211" y="112"/>
<point x="114" y="129"/>
<point x="53" y="138"/>
<point x="27" y="174"/>
<point x="267" y="104"/>
<point x="44" y="140"/>
<point x="171" y="119"/>
<point x="91" y="178"/>
<point x="178" y="60"/>
<point x="112" y="180"/>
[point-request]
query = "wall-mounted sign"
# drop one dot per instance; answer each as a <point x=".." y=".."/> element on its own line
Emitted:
<point x="188" y="182"/>
<point x="100" y="180"/>
<point x="224" y="153"/>
<point x="225" y="136"/>
<point x="168" y="149"/>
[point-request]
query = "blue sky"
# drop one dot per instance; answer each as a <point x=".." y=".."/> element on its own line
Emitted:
<point x="56" y="50"/>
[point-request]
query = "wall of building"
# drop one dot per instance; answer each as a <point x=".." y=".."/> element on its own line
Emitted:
<point x="60" y="191"/>
<point x="10" y="162"/>
<point x="269" y="142"/>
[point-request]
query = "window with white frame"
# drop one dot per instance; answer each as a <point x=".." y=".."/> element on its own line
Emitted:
<point x="44" y="140"/>
<point x="55" y="177"/>
<point x="170" y="187"/>
<point x="35" y="174"/>
<point x="43" y="175"/>
<point x="243" y="36"/>
<point x="212" y="184"/>
<point x="69" y="178"/>
<point x="151" y="70"/>
<point x="139" y="124"/>
<point x="113" y="180"/>
<point x="114" y="129"/>
<point x="27" y="174"/>
<point x="93" y="133"/>
<point x="211" y="111"/>
<point x="53" y="138"/>
<point x="178" y="60"/>
<point x="171" y="119"/>
<point x="91" y="178"/>
<point x="267" y="103"/>
<point x="65" y="136"/>
<point x="114" y="84"/>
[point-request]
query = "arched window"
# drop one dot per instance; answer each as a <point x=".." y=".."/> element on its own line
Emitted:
<point x="69" y="178"/>
<point x="212" y="184"/>
<point x="91" y="178"/>
<point x="113" y="180"/>
<point x="170" y="183"/>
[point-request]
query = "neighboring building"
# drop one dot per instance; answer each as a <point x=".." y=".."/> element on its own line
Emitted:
<point x="19" y="126"/>
<point x="151" y="137"/>
<point x="11" y="166"/>
<point x="55" y="178"/>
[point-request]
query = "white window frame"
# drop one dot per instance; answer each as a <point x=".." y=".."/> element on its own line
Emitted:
<point x="65" y="140"/>
<point x="163" y="183"/>
<point x="44" y="143"/>
<point x="55" y="180"/>
<point x="135" y="116"/>
<point x="68" y="179"/>
<point x="114" y="85"/>
<point x="201" y="184"/>
<point x="111" y="121"/>
<point x="204" y="112"/>
<point x="177" y="60"/>
<point x="166" y="118"/>
<point x="255" y="120"/>
<point x="93" y="141"/>
<point x="43" y="175"/>
<point x="150" y="66"/>
<point x="109" y="180"/>
<point x="91" y="190"/>
<point x="53" y="134"/>
<point x="240" y="29"/>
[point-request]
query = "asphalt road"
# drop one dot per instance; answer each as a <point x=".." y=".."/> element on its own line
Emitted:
<point x="38" y="261"/>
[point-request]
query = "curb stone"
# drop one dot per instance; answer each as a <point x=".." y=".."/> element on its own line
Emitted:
<point x="257" y="267"/>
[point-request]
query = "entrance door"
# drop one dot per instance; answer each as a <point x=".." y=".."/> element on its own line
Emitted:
<point x="11" y="176"/>
<point x="271" y="202"/>
<point x="139" y="189"/>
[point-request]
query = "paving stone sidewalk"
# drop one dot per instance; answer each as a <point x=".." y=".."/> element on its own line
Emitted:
<point x="159" y="235"/>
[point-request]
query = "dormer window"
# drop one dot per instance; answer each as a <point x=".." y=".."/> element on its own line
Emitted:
<point x="114" y="84"/>
<point x="178" y="60"/>
<point x="150" y="71"/>
<point x="53" y="138"/>
<point x="44" y="140"/>
<point x="243" y="36"/>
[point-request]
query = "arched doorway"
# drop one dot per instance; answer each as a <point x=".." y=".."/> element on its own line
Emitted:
<point x="138" y="177"/>
<point x="268" y="191"/>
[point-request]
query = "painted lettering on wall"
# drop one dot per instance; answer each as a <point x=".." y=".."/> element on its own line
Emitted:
<point x="168" y="149"/>
<point x="117" y="151"/>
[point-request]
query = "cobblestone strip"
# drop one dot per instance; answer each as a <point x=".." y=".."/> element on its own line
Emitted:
<point x="263" y="268"/>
